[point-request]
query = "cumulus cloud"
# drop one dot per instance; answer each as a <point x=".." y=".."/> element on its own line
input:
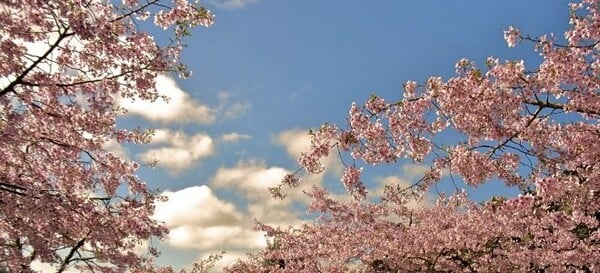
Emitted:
<point x="198" y="219"/>
<point x="216" y="237"/>
<point x="195" y="206"/>
<point x="294" y="141"/>
<point x="251" y="179"/>
<point x="232" y="4"/>
<point x="180" y="107"/>
<point x="177" y="150"/>
<point x="201" y="221"/>
<point x="235" y="137"/>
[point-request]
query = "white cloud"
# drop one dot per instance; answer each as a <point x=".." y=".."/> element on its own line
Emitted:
<point x="252" y="178"/>
<point x="39" y="48"/>
<point x="196" y="206"/>
<point x="216" y="237"/>
<point x="229" y="108"/>
<point x="235" y="137"/>
<point x="414" y="171"/>
<point x="177" y="150"/>
<point x="232" y="4"/>
<point x="295" y="141"/>
<point x="200" y="220"/>
<point x="180" y="107"/>
<point x="228" y="258"/>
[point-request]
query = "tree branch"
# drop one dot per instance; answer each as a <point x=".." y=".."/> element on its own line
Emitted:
<point x="12" y="188"/>
<point x="19" y="79"/>
<point x="72" y="252"/>
<point x="547" y="104"/>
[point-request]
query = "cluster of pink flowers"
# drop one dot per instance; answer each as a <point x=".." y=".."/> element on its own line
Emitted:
<point x="321" y="143"/>
<point x="351" y="181"/>
<point x="64" y="199"/>
<point x="512" y="36"/>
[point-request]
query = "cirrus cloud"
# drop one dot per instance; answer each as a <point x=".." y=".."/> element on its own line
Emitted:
<point x="232" y="4"/>
<point x="235" y="137"/>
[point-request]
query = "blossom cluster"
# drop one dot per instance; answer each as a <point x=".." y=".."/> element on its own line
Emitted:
<point x="64" y="199"/>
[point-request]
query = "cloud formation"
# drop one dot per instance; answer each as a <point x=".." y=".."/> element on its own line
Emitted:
<point x="251" y="178"/>
<point x="177" y="150"/>
<point x="200" y="220"/>
<point x="180" y="107"/>
<point x="195" y="205"/>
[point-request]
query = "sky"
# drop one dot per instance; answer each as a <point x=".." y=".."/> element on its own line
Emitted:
<point x="267" y="71"/>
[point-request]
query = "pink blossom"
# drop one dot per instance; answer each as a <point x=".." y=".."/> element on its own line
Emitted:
<point x="65" y="199"/>
<point x="351" y="181"/>
<point x="512" y="36"/>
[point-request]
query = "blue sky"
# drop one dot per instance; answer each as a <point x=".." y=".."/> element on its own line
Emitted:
<point x="270" y="69"/>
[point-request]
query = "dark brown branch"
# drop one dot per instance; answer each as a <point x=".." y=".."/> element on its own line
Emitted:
<point x="19" y="79"/>
<point x="557" y="106"/>
<point x="138" y="9"/>
<point x="18" y="190"/>
<point x="69" y="256"/>
<point x="538" y="40"/>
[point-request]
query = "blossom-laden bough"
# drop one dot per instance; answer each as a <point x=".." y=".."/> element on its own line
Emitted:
<point x="532" y="128"/>
<point x="65" y="201"/>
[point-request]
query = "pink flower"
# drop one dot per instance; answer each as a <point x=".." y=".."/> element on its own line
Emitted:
<point x="512" y="36"/>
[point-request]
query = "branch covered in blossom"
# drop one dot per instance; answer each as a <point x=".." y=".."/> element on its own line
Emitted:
<point x="64" y="199"/>
<point x="534" y="128"/>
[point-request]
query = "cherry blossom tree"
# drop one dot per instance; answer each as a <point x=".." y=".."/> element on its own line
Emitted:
<point x="536" y="128"/>
<point x="65" y="201"/>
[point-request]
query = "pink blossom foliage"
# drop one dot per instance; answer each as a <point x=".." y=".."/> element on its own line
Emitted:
<point x="536" y="128"/>
<point x="64" y="199"/>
